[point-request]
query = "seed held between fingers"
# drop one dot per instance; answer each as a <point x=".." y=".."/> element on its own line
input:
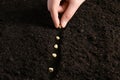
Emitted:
<point x="59" y="26"/>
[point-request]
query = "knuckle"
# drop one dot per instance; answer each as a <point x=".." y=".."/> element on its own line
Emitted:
<point x="74" y="1"/>
<point x="67" y="16"/>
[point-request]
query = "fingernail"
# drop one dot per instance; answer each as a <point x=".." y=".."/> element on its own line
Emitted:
<point x="64" y="24"/>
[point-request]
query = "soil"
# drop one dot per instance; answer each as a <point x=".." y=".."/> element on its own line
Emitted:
<point x="23" y="22"/>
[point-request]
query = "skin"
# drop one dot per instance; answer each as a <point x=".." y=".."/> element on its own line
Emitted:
<point x="66" y="8"/>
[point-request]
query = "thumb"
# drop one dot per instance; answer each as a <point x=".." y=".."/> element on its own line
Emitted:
<point x="70" y="11"/>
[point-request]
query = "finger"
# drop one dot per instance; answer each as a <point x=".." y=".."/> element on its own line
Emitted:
<point x="55" y="18"/>
<point x="62" y="7"/>
<point x="53" y="8"/>
<point x="70" y="11"/>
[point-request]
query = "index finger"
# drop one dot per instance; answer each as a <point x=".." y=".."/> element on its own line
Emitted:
<point x="53" y="8"/>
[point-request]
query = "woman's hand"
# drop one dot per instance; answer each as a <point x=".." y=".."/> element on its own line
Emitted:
<point x="66" y="7"/>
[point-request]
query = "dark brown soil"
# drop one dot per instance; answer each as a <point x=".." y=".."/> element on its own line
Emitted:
<point x="90" y="44"/>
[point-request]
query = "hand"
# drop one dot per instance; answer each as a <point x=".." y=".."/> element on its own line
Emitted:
<point x="66" y="7"/>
